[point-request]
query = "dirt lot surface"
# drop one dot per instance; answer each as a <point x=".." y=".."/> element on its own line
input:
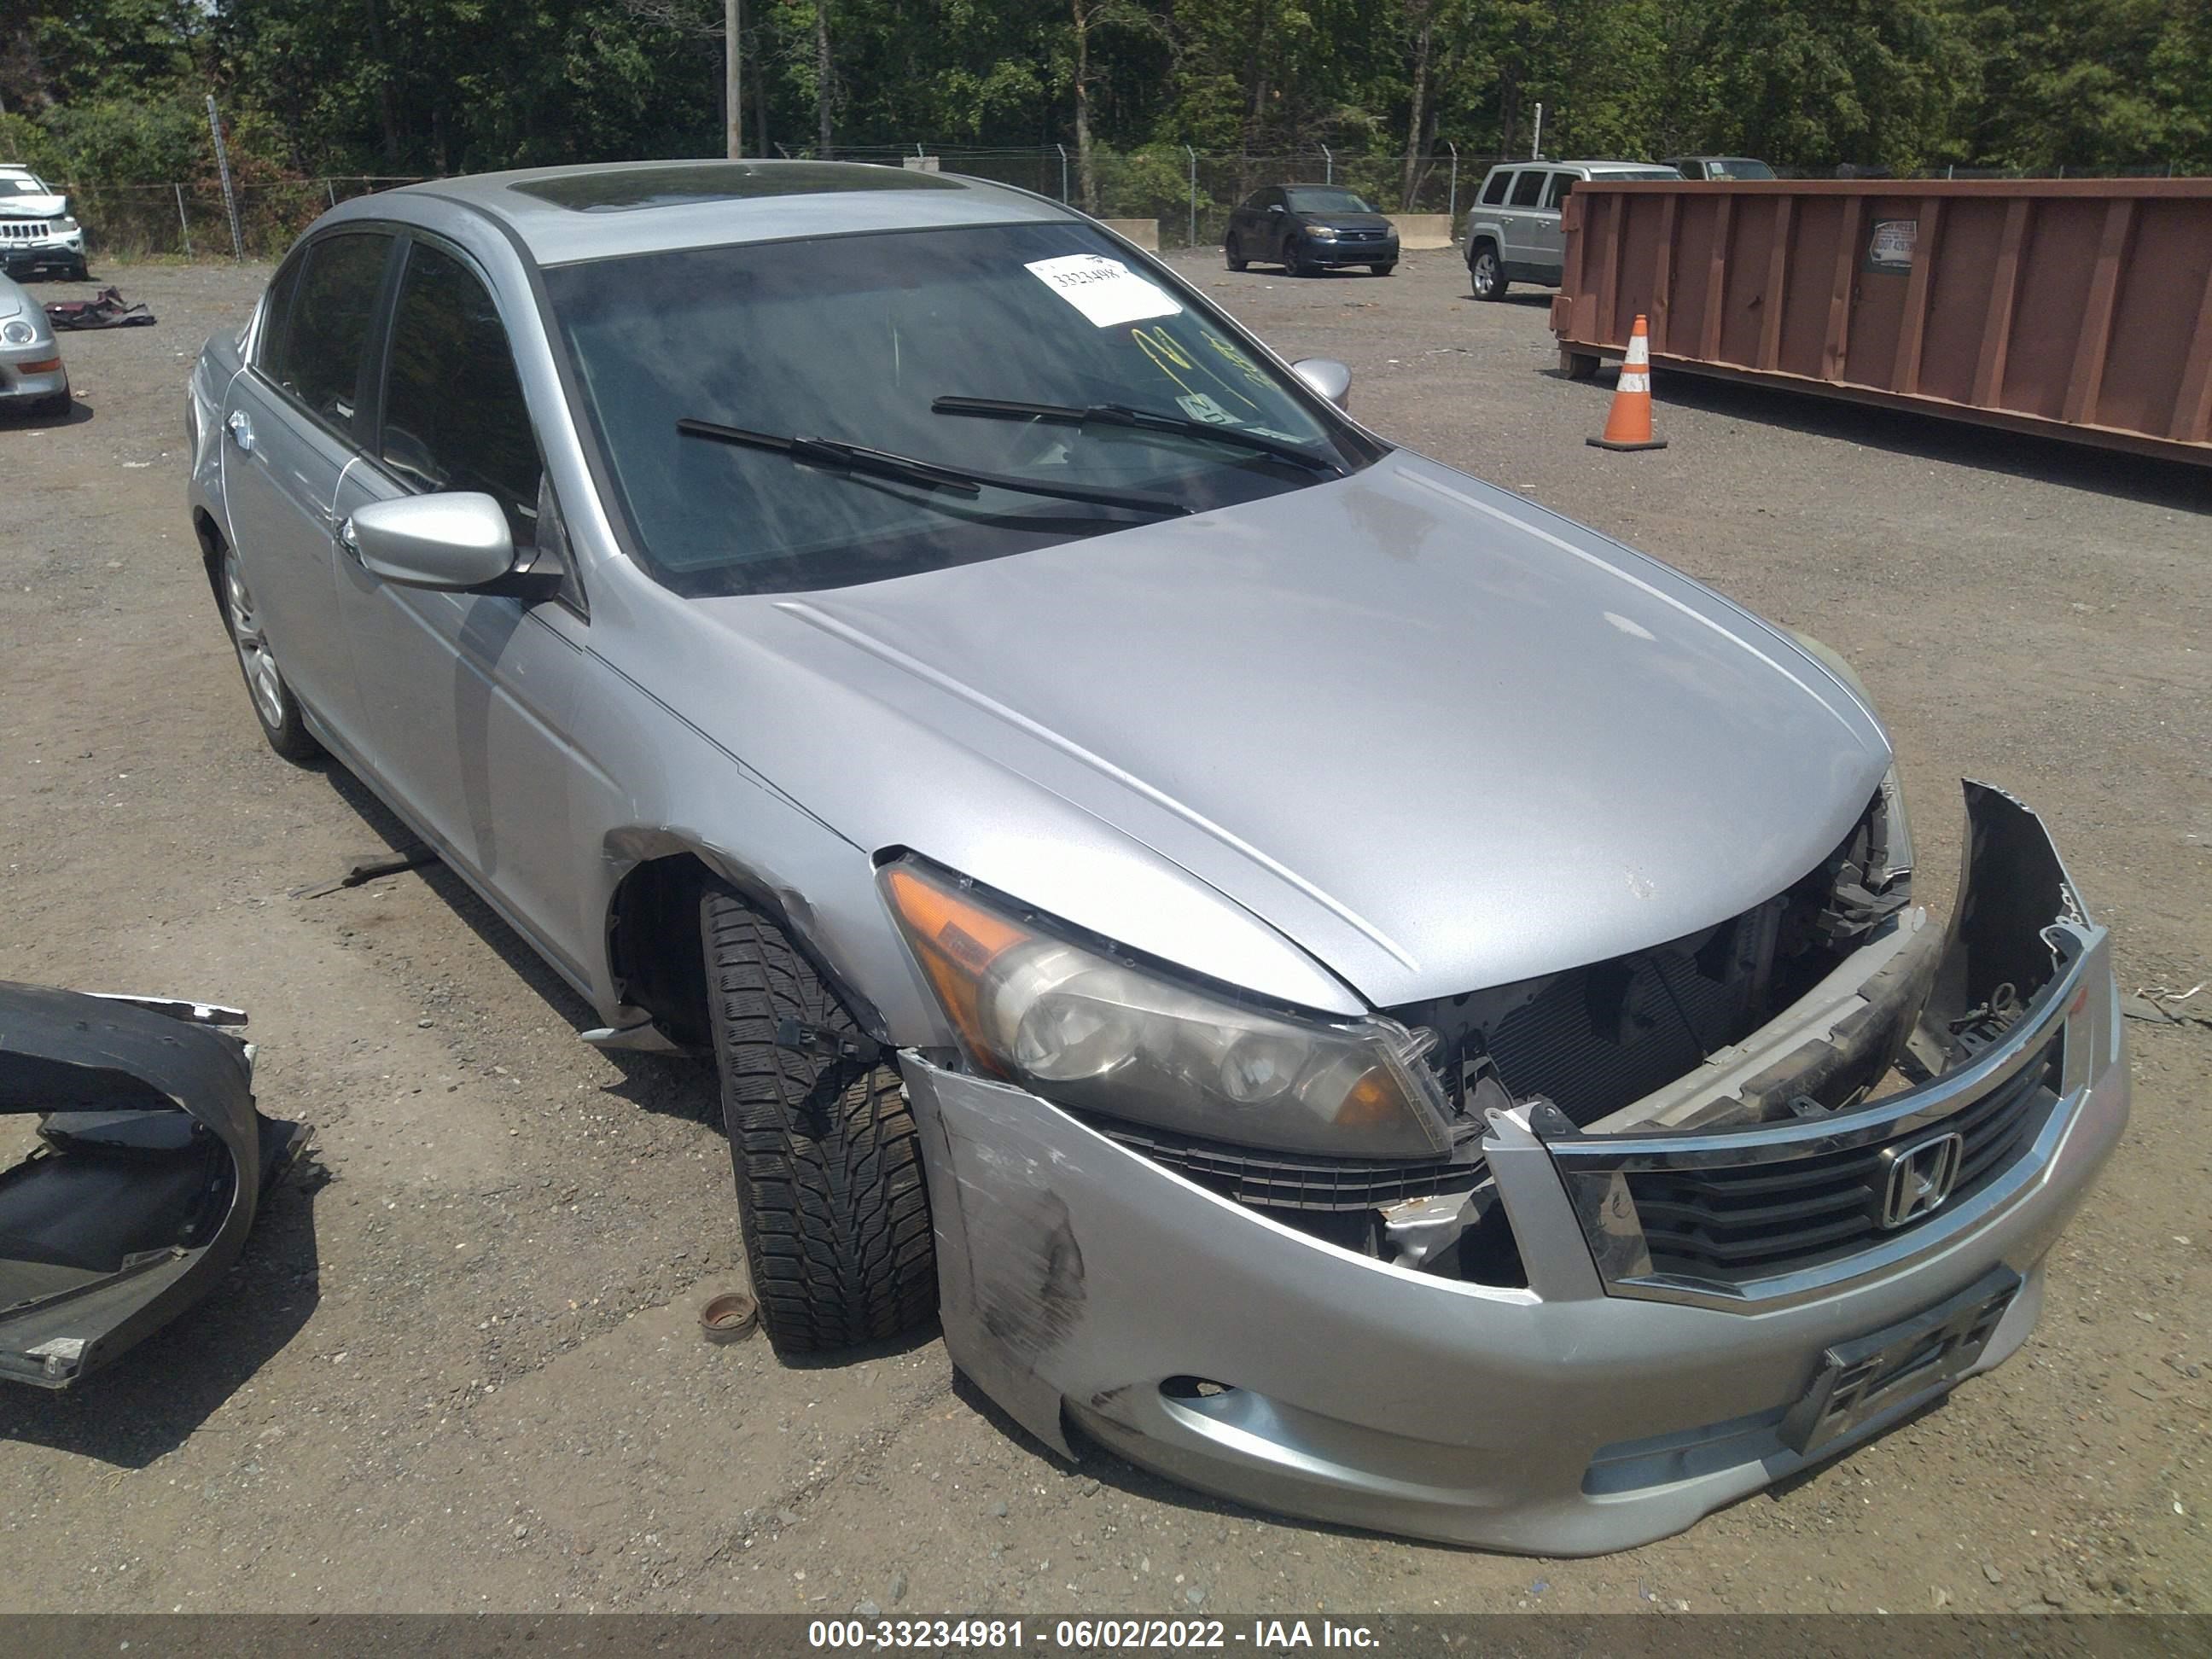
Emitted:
<point x="459" y="1367"/>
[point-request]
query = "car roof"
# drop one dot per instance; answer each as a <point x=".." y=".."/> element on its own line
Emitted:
<point x="563" y="216"/>
<point x="1546" y="161"/>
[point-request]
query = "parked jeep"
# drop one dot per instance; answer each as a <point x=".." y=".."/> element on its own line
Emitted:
<point x="36" y="231"/>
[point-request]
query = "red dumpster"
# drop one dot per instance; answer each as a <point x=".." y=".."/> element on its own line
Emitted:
<point x="2076" y="309"/>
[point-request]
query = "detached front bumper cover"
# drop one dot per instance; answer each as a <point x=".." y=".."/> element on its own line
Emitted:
<point x="151" y="1167"/>
<point x="1619" y="1395"/>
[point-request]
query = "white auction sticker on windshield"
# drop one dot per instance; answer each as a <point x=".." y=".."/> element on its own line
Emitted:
<point x="1104" y="290"/>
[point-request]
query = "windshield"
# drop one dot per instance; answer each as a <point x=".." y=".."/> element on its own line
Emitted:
<point x="20" y="186"/>
<point x="854" y="339"/>
<point x="1309" y="198"/>
<point x="1738" y="167"/>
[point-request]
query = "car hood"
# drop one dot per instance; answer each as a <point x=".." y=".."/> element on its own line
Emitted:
<point x="1438" y="737"/>
<point x="32" y="207"/>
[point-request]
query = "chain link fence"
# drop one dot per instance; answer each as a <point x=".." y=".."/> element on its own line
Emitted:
<point x="1189" y="192"/>
<point x="192" y="220"/>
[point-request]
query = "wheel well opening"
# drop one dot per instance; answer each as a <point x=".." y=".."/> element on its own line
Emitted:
<point x="211" y="548"/>
<point x="654" y="948"/>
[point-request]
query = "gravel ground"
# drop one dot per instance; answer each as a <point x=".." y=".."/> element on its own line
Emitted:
<point x="457" y="1367"/>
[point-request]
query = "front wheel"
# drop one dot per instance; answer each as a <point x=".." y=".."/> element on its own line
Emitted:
<point x="830" y="1195"/>
<point x="274" y="705"/>
<point x="1486" y="275"/>
<point x="1383" y="270"/>
<point x="1294" y="263"/>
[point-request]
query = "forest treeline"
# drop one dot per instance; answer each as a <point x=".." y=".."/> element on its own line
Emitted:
<point x="114" y="89"/>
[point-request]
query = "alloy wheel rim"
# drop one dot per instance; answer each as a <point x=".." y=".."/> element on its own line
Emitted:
<point x="1485" y="274"/>
<point x="262" y="679"/>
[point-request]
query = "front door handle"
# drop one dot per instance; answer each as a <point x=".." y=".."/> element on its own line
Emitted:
<point x="241" y="430"/>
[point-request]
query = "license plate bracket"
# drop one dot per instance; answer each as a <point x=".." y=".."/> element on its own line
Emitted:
<point x="1914" y="1359"/>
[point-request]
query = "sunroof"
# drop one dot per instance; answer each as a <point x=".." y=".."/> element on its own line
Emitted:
<point x="619" y="191"/>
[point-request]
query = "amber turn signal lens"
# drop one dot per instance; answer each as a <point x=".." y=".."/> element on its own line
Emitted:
<point x="955" y="941"/>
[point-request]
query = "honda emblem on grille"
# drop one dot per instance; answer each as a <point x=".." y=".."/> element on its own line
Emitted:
<point x="1919" y="1177"/>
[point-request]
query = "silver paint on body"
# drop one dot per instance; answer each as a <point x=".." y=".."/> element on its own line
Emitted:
<point x="1188" y="737"/>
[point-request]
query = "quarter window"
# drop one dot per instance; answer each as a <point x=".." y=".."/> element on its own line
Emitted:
<point x="321" y="324"/>
<point x="454" y="418"/>
<point x="1494" y="192"/>
<point x="1528" y="185"/>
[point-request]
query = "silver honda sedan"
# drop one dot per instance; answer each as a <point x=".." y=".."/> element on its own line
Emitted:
<point x="1330" y="981"/>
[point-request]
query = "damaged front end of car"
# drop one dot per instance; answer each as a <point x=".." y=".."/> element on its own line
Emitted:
<point x="1532" y="1333"/>
<point x="150" y="1164"/>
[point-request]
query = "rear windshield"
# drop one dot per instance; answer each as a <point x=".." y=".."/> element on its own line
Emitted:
<point x="853" y="339"/>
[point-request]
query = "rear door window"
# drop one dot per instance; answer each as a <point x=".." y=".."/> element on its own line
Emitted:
<point x="454" y="418"/>
<point x="320" y="338"/>
<point x="1493" y="192"/>
<point x="1528" y="185"/>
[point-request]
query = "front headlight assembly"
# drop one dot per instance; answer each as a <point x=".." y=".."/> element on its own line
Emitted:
<point x="1321" y="233"/>
<point x="1091" y="1029"/>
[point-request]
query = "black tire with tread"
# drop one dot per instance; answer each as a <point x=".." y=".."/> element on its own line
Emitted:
<point x="828" y="1160"/>
<point x="1231" y="258"/>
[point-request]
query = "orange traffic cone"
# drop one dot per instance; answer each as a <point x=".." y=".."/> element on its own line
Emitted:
<point x="1628" y="425"/>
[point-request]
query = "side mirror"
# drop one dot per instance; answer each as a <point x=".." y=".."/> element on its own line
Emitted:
<point x="454" y="542"/>
<point x="1327" y="376"/>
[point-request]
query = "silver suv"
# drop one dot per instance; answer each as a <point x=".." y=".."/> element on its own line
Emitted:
<point x="1513" y="234"/>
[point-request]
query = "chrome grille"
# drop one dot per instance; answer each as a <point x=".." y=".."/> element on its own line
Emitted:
<point x="23" y="230"/>
<point x="1752" y="1220"/>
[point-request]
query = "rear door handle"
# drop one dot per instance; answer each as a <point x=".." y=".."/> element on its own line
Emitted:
<point x="240" y="430"/>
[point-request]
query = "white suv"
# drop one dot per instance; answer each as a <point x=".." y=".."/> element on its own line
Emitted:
<point x="36" y="231"/>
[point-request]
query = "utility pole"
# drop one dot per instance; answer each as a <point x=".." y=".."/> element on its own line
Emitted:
<point x="733" y="92"/>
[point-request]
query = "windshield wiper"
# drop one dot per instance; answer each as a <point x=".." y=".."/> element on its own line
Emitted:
<point x="1140" y="420"/>
<point x="847" y="460"/>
